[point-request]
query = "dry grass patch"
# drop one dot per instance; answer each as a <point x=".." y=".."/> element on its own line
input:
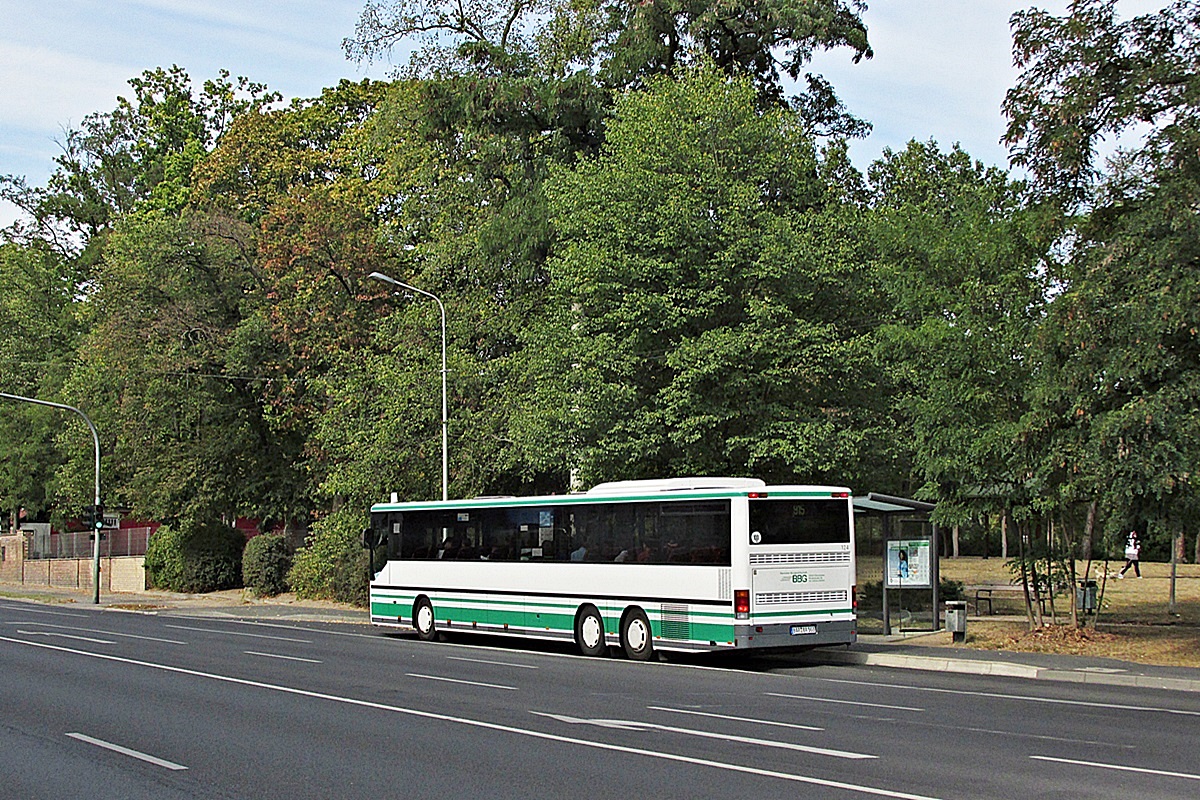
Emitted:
<point x="1135" y="622"/>
<point x="1162" y="645"/>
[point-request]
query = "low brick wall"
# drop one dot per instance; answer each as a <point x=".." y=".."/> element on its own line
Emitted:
<point x="117" y="574"/>
<point x="127" y="574"/>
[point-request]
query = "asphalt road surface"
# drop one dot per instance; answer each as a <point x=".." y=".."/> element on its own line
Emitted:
<point x="120" y="705"/>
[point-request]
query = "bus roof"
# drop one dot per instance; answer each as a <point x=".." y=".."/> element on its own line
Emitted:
<point x="632" y="491"/>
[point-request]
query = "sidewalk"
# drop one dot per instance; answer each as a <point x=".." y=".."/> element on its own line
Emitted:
<point x="232" y="604"/>
<point x="905" y="651"/>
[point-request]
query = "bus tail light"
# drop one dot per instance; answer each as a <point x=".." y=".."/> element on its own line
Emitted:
<point x="741" y="604"/>
<point x="839" y="494"/>
<point x="756" y="495"/>
<point x="854" y="598"/>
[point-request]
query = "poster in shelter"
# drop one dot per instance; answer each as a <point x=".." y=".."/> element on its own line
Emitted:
<point x="908" y="564"/>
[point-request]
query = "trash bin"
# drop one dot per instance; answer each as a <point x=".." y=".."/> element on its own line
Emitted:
<point x="956" y="619"/>
<point x="1085" y="597"/>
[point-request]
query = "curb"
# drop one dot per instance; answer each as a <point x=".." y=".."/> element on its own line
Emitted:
<point x="999" y="669"/>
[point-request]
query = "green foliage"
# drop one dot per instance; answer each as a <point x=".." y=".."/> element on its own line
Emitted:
<point x="38" y="333"/>
<point x="625" y="44"/>
<point x="138" y="156"/>
<point x="160" y="375"/>
<point x="709" y="295"/>
<point x="1114" y="412"/>
<point x="265" y="564"/>
<point x="332" y="564"/>
<point x="1088" y="76"/>
<point x="650" y="265"/>
<point x="195" y="557"/>
<point x="961" y="257"/>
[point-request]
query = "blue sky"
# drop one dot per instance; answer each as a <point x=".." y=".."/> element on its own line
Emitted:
<point x="940" y="70"/>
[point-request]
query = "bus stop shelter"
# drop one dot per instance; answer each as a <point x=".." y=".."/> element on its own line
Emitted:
<point x="888" y="508"/>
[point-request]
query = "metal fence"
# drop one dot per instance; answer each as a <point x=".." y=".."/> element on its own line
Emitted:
<point x="123" y="542"/>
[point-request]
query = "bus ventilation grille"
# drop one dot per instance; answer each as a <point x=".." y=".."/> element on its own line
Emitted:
<point x="800" y="597"/>
<point x="800" y="558"/>
<point x="675" y="623"/>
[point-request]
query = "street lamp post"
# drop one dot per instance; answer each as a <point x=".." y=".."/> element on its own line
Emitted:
<point x="96" y="442"/>
<point x="379" y="276"/>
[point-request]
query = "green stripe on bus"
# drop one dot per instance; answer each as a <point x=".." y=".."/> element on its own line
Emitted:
<point x="720" y="630"/>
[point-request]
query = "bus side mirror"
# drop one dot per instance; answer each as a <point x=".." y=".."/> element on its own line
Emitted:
<point x="370" y="540"/>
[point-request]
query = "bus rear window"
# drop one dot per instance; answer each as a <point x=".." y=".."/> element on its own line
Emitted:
<point x="776" y="522"/>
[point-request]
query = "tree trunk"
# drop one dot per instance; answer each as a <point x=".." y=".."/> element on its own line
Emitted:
<point x="1004" y="536"/>
<point x="1089" y="533"/>
<point x="1024" y="564"/>
<point x="1089" y="538"/>
<point x="954" y="541"/>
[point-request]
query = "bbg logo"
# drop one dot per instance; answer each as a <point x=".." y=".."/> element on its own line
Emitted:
<point x="799" y="577"/>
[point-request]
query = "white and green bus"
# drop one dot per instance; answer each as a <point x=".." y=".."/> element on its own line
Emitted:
<point x="681" y="564"/>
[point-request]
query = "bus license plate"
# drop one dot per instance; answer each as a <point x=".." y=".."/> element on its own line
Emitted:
<point x="798" y="630"/>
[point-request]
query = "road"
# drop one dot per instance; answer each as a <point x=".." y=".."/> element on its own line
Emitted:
<point x="158" y="706"/>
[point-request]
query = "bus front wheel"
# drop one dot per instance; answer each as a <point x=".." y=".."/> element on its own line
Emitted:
<point x="637" y="638"/>
<point x="589" y="632"/>
<point x="423" y="620"/>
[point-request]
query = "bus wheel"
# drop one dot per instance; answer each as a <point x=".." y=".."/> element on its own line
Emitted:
<point x="423" y="620"/>
<point x="589" y="632"/>
<point x="636" y="636"/>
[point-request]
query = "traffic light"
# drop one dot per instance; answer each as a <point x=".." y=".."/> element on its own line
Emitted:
<point x="97" y="517"/>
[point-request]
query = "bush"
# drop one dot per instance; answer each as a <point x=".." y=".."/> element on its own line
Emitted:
<point x="332" y="564"/>
<point x="195" y="557"/>
<point x="870" y="595"/>
<point x="265" y="564"/>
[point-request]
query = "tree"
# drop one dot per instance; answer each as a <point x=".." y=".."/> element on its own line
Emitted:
<point x="141" y="154"/>
<point x="187" y="433"/>
<point x="1118" y="396"/>
<point x="962" y="255"/>
<point x="38" y="333"/>
<point x="706" y="303"/>
<point x="1086" y="76"/>
<point x="625" y="44"/>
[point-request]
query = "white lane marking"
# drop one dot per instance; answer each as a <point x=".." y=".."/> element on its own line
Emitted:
<point x="95" y="630"/>
<point x="237" y="633"/>
<point x="737" y="719"/>
<point x="27" y="610"/>
<point x="285" y="658"/>
<point x="65" y="636"/>
<point x="456" y="680"/>
<point x="1019" y="734"/>
<point x="116" y="748"/>
<point x="633" y="725"/>
<point x="841" y="702"/>
<point x="496" y="663"/>
<point x="491" y="726"/>
<point x="1021" y="697"/>
<point x="1119" y="767"/>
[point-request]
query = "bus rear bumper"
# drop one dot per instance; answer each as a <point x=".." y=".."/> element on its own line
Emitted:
<point x="797" y="634"/>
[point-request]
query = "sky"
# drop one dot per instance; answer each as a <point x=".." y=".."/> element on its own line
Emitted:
<point x="940" y="70"/>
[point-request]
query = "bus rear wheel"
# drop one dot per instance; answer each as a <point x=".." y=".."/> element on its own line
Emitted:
<point x="637" y="638"/>
<point x="423" y="620"/>
<point x="589" y="632"/>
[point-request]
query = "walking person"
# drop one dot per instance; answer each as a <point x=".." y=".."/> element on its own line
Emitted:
<point x="1133" y="551"/>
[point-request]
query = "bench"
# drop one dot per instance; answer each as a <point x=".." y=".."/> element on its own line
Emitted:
<point x="984" y="594"/>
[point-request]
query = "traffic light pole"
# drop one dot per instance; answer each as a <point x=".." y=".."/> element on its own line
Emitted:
<point x="96" y="508"/>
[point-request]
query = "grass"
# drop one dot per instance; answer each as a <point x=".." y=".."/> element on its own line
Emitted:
<point x="1134" y="623"/>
